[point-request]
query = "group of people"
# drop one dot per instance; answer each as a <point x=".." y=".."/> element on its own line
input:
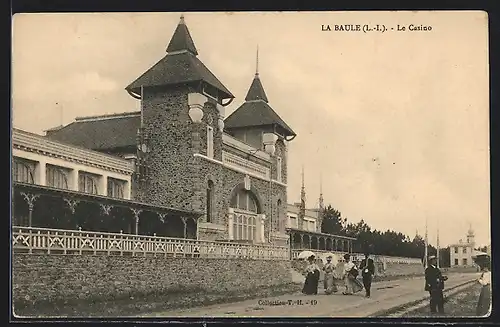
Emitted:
<point x="348" y="273"/>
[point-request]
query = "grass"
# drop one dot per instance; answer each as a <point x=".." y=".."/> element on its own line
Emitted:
<point x="462" y="304"/>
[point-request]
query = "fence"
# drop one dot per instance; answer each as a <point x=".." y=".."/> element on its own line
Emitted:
<point x="56" y="241"/>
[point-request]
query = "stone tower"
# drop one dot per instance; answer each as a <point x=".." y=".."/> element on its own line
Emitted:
<point x="257" y="124"/>
<point x="182" y="112"/>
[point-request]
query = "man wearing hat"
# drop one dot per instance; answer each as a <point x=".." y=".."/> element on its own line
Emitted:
<point x="434" y="284"/>
<point x="367" y="271"/>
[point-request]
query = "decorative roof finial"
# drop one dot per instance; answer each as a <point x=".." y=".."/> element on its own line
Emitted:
<point x="182" y="19"/>
<point x="257" y="62"/>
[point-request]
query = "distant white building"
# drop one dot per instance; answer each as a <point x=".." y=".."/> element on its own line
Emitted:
<point x="461" y="253"/>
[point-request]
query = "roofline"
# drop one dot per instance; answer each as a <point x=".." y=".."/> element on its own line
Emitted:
<point x="293" y="135"/>
<point x="108" y="116"/>
<point x="97" y="197"/>
<point x="132" y="91"/>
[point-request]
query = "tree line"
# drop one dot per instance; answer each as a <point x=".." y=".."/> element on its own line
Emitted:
<point x="389" y="242"/>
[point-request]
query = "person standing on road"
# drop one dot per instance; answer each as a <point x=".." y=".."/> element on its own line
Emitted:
<point x="367" y="271"/>
<point x="312" y="277"/>
<point x="484" y="301"/>
<point x="352" y="285"/>
<point x="434" y="284"/>
<point x="328" y="281"/>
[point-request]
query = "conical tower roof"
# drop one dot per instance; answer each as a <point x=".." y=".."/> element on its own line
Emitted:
<point x="256" y="111"/>
<point x="180" y="66"/>
<point x="181" y="40"/>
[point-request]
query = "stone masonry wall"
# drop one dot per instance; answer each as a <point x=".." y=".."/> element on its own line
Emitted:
<point x="225" y="181"/>
<point x="179" y="180"/>
<point x="75" y="277"/>
<point x="167" y="122"/>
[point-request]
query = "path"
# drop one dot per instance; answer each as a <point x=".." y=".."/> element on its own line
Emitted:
<point x="385" y="295"/>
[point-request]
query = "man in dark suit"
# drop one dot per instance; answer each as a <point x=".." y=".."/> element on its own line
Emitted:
<point x="367" y="268"/>
<point x="434" y="284"/>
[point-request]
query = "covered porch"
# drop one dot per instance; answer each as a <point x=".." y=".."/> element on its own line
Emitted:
<point x="45" y="207"/>
<point x="306" y="240"/>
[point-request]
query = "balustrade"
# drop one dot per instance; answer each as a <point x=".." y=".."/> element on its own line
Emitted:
<point x="56" y="241"/>
<point x="247" y="165"/>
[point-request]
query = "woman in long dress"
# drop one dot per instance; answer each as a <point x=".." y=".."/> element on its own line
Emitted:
<point x="352" y="285"/>
<point x="312" y="277"/>
<point x="329" y="282"/>
<point x="484" y="302"/>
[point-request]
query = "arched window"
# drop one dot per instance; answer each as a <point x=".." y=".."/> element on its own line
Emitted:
<point x="56" y="177"/>
<point x="87" y="183"/>
<point x="245" y="219"/>
<point x="24" y="171"/>
<point x="210" y="200"/>
<point x="244" y="200"/>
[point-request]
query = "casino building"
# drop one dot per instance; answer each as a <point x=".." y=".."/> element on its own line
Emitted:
<point x="178" y="152"/>
<point x="176" y="168"/>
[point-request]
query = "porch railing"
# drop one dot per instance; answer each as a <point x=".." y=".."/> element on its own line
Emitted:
<point x="56" y="241"/>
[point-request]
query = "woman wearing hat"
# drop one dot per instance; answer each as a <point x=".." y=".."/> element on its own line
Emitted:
<point x="350" y="273"/>
<point x="484" y="302"/>
<point x="312" y="277"/>
<point x="329" y="282"/>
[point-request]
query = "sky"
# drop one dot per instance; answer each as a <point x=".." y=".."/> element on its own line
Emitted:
<point x="394" y="124"/>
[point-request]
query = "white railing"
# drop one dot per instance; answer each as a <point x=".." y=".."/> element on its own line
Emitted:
<point x="252" y="167"/>
<point x="22" y="139"/>
<point x="56" y="241"/>
<point x="360" y="256"/>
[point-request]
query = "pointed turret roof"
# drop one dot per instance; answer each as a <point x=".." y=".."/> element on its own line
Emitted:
<point x="256" y="91"/>
<point x="256" y="111"/>
<point x="180" y="66"/>
<point x="181" y="40"/>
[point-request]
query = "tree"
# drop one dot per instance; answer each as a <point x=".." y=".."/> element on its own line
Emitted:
<point x="444" y="257"/>
<point x="390" y="242"/>
<point x="333" y="223"/>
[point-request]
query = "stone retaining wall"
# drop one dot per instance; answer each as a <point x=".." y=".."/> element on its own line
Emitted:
<point x="48" y="278"/>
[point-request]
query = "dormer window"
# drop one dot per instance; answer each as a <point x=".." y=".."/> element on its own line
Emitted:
<point x="210" y="91"/>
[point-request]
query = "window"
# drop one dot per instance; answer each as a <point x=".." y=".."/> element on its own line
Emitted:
<point x="245" y="227"/>
<point x="210" y="195"/>
<point x="87" y="183"/>
<point x="456" y="250"/>
<point x="279" y="217"/>
<point x="465" y="250"/>
<point x="56" y="177"/>
<point x="244" y="200"/>
<point x="116" y="188"/>
<point x="210" y="91"/>
<point x="456" y="262"/>
<point x="310" y="225"/>
<point x="210" y="142"/>
<point x="292" y="222"/>
<point x="464" y="261"/>
<point x="24" y="171"/>
<point x="278" y="169"/>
